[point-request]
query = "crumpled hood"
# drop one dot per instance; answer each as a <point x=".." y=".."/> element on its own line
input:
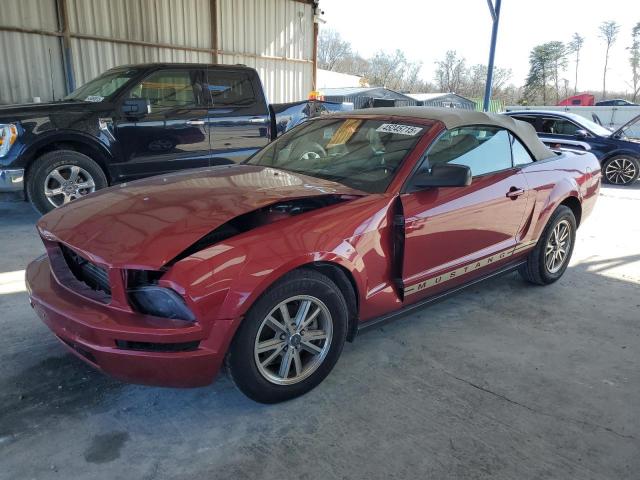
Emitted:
<point x="147" y="223"/>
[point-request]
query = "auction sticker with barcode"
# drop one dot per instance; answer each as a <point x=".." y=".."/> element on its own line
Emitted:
<point x="399" y="129"/>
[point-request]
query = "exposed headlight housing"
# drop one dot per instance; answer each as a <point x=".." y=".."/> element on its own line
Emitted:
<point x="8" y="136"/>
<point x="160" y="302"/>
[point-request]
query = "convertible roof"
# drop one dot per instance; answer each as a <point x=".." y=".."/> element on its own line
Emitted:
<point x="455" y="117"/>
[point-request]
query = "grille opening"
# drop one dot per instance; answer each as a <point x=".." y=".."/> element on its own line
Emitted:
<point x="158" y="347"/>
<point x="92" y="275"/>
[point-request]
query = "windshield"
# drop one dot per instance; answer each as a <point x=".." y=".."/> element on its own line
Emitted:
<point x="362" y="154"/>
<point x="102" y="87"/>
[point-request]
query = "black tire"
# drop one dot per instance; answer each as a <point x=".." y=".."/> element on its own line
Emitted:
<point x="47" y="163"/>
<point x="621" y="170"/>
<point x="241" y="361"/>
<point x="535" y="270"/>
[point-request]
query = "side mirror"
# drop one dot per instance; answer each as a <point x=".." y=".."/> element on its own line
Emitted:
<point x="582" y="133"/>
<point x="442" y="175"/>
<point x="136" y="107"/>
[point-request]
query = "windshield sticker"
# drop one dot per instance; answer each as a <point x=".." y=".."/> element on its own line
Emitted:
<point x="94" y="98"/>
<point x="399" y="129"/>
<point x="344" y="132"/>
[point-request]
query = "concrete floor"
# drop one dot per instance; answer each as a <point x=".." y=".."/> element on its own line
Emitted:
<point x="504" y="381"/>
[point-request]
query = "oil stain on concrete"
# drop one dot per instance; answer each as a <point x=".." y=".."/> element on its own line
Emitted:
<point x="106" y="448"/>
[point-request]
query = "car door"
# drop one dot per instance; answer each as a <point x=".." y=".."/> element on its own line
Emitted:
<point x="238" y="116"/>
<point x="174" y="135"/>
<point x="455" y="234"/>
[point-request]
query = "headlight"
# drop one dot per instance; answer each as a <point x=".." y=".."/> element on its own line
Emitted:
<point x="160" y="302"/>
<point x="8" y="135"/>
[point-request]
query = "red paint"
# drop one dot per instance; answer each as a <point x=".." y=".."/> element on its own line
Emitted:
<point x="148" y="223"/>
<point x="583" y="99"/>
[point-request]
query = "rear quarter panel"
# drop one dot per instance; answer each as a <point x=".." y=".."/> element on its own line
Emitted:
<point x="552" y="181"/>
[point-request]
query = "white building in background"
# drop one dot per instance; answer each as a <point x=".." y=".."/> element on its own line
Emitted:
<point x="329" y="79"/>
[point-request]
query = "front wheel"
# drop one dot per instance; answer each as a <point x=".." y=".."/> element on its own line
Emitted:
<point x="549" y="259"/>
<point x="290" y="339"/>
<point x="621" y="170"/>
<point x="61" y="176"/>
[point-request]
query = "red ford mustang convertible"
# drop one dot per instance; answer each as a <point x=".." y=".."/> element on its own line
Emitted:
<point x="269" y="266"/>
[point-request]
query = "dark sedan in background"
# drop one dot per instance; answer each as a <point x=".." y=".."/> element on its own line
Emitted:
<point x="618" y="151"/>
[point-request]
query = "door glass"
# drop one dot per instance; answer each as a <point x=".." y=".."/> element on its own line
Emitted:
<point x="482" y="149"/>
<point x="520" y="154"/>
<point x="228" y="89"/>
<point x="558" y="126"/>
<point x="169" y="89"/>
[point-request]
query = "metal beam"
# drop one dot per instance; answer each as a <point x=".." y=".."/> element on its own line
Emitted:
<point x="142" y="43"/>
<point x="213" y="8"/>
<point x="67" y="54"/>
<point x="495" y="13"/>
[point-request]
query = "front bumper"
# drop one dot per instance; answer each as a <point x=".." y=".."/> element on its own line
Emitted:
<point x="93" y="331"/>
<point x="12" y="180"/>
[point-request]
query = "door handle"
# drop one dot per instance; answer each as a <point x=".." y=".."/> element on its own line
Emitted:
<point x="195" y="122"/>
<point x="256" y="120"/>
<point x="515" y="192"/>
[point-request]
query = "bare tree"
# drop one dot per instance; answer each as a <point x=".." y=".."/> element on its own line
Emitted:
<point x="609" y="33"/>
<point x="332" y="49"/>
<point x="451" y="72"/>
<point x="575" y="45"/>
<point x="634" y="61"/>
<point x="477" y="78"/>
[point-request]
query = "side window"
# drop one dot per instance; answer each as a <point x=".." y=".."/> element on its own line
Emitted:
<point x="558" y="126"/>
<point x="170" y="89"/>
<point x="528" y="119"/>
<point x="228" y="89"/>
<point x="520" y="154"/>
<point x="482" y="149"/>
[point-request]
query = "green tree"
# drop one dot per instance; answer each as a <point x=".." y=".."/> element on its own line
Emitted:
<point x="541" y="67"/>
<point x="575" y="45"/>
<point x="609" y="33"/>
<point x="558" y="56"/>
<point x="634" y="61"/>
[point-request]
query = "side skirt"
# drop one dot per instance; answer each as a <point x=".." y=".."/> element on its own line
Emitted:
<point x="382" y="320"/>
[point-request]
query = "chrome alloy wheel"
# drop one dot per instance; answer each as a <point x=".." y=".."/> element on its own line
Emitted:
<point x="620" y="171"/>
<point x="66" y="183"/>
<point x="558" y="247"/>
<point x="293" y="340"/>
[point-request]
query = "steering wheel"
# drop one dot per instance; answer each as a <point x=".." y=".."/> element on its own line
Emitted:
<point x="312" y="151"/>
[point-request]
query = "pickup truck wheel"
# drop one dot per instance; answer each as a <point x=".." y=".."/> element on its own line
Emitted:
<point x="549" y="259"/>
<point x="621" y="170"/>
<point x="290" y="339"/>
<point x="61" y="176"/>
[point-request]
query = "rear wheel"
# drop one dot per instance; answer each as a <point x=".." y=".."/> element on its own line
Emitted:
<point x="621" y="170"/>
<point x="549" y="259"/>
<point x="62" y="176"/>
<point x="290" y="339"/>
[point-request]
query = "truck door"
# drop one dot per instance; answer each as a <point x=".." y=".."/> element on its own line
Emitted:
<point x="175" y="134"/>
<point x="238" y="116"/>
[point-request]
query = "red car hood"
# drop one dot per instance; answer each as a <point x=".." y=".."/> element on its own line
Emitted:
<point x="147" y="223"/>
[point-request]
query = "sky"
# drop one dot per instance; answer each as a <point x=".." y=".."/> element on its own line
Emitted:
<point x="425" y="29"/>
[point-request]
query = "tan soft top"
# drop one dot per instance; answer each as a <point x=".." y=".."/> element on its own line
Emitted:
<point x="455" y="117"/>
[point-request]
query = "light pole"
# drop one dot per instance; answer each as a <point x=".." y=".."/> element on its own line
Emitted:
<point x="495" y="15"/>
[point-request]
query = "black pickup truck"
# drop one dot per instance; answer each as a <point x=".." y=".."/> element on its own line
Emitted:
<point x="136" y="121"/>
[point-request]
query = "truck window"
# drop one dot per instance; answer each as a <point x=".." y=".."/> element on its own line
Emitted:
<point x="227" y="89"/>
<point x="170" y="89"/>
